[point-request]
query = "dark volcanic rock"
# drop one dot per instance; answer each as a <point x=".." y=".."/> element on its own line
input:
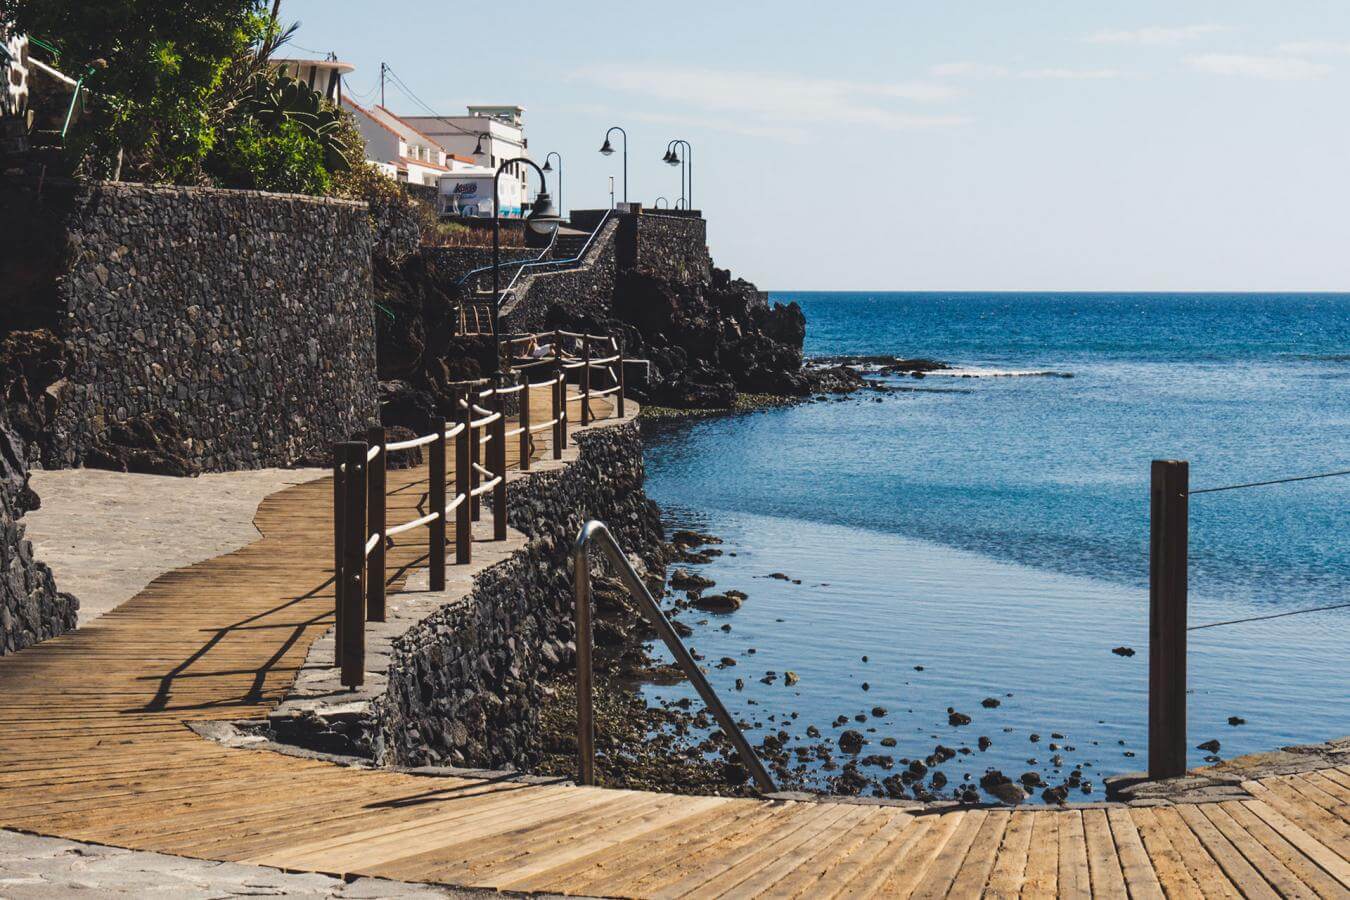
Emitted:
<point x="31" y="608"/>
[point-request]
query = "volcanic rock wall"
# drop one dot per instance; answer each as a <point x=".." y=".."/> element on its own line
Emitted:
<point x="31" y="609"/>
<point x="188" y="328"/>
<point x="464" y="685"/>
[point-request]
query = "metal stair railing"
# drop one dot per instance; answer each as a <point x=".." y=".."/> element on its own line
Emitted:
<point x="597" y="533"/>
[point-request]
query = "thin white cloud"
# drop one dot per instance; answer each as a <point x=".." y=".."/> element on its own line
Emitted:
<point x="1155" y="36"/>
<point x="1316" y="48"/>
<point x="986" y="70"/>
<point x="968" y="70"/>
<point x="759" y="100"/>
<point x="1269" y="68"/>
<point x="1071" y="74"/>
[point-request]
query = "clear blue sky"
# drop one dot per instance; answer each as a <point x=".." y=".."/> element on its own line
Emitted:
<point x="945" y="144"/>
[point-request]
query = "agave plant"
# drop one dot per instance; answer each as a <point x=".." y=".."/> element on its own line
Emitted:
<point x="274" y="98"/>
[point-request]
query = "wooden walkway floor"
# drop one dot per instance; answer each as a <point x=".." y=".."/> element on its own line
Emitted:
<point x="95" y="747"/>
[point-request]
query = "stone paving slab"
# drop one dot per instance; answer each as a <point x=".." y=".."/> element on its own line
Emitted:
<point x="106" y="535"/>
<point x="41" y="867"/>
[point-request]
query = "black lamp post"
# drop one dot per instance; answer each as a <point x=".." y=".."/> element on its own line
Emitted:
<point x="656" y="204"/>
<point x="673" y="158"/>
<point x="608" y="149"/>
<point x="549" y="168"/>
<point x="478" y="149"/>
<point x="543" y="219"/>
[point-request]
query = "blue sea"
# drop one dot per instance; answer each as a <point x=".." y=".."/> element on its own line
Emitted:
<point x="982" y="534"/>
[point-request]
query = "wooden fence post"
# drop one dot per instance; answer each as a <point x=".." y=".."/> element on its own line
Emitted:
<point x="436" y="503"/>
<point x="475" y="457"/>
<point x="1168" y="526"/>
<point x="622" y="413"/>
<point x="354" y="565"/>
<point x="463" y="484"/>
<point x="339" y="535"/>
<point x="498" y="456"/>
<point x="525" y="421"/>
<point x="375" y="517"/>
<point x="559" y="412"/>
<point x="586" y="381"/>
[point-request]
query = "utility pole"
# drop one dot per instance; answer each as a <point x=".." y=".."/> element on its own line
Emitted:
<point x="384" y="67"/>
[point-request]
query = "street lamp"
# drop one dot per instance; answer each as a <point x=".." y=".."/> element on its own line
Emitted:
<point x="608" y="150"/>
<point x="478" y="150"/>
<point x="656" y="204"/>
<point x="549" y="168"/>
<point x="543" y="219"/>
<point x="673" y="158"/>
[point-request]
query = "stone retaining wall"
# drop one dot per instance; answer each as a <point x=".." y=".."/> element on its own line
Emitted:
<point x="464" y="685"/>
<point x="233" y="327"/>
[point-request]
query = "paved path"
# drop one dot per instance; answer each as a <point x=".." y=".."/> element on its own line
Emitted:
<point x="95" y="744"/>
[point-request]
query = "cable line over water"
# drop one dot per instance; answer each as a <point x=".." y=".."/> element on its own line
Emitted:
<point x="1234" y="487"/>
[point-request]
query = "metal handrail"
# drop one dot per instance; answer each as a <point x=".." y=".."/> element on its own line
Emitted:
<point x="596" y="532"/>
<point x="472" y="273"/>
<point x="541" y="263"/>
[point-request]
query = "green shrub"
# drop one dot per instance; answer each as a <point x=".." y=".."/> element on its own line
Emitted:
<point x="285" y="159"/>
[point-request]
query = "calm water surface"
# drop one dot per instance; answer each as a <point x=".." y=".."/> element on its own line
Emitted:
<point x="993" y="529"/>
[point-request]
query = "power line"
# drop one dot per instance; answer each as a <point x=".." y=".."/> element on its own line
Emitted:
<point x="398" y="82"/>
<point x="1234" y="487"/>
<point x="1295" y="612"/>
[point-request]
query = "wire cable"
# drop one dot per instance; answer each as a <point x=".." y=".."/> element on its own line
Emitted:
<point x="1234" y="487"/>
<point x="1294" y="612"/>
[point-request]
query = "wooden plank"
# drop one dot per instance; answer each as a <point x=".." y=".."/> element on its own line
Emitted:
<point x="861" y="876"/>
<point x="1075" y="879"/>
<point x="1042" y="875"/>
<point x="828" y="868"/>
<point x="1010" y="866"/>
<point x="1173" y="876"/>
<point x="974" y="872"/>
<point x="1140" y="878"/>
<point x="1261" y="860"/>
<point x="755" y="857"/>
<point x="1206" y="872"/>
<point x="1240" y="872"/>
<point x="1332" y="862"/>
<point x="1103" y="865"/>
<point x="1289" y="856"/>
<point x="905" y="878"/>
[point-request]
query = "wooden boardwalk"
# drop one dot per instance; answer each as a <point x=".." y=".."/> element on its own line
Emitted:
<point x="95" y="745"/>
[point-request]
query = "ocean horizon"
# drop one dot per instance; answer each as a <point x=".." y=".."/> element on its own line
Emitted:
<point x="993" y="530"/>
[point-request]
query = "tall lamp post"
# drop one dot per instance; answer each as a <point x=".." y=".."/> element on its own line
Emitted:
<point x="608" y="149"/>
<point x="549" y="168"/>
<point x="543" y="219"/>
<point x="673" y="158"/>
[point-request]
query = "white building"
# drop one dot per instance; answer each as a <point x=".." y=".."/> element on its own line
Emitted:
<point x="497" y="131"/>
<point x="398" y="148"/>
<point x="324" y="76"/>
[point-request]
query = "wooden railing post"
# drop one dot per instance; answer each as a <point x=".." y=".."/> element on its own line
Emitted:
<point x="475" y="456"/>
<point x="525" y="421"/>
<point x="463" y="484"/>
<point x="498" y="456"/>
<point x="559" y="412"/>
<point x="586" y="381"/>
<point x="375" y="518"/>
<point x="354" y="565"/>
<point x="619" y="344"/>
<point x="339" y="535"/>
<point x="436" y="503"/>
<point x="1168" y="526"/>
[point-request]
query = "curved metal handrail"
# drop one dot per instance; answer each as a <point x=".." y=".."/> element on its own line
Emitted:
<point x="464" y="279"/>
<point x="542" y="263"/>
<point x="596" y="532"/>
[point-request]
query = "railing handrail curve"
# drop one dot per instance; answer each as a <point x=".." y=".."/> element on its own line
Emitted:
<point x="596" y="532"/>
